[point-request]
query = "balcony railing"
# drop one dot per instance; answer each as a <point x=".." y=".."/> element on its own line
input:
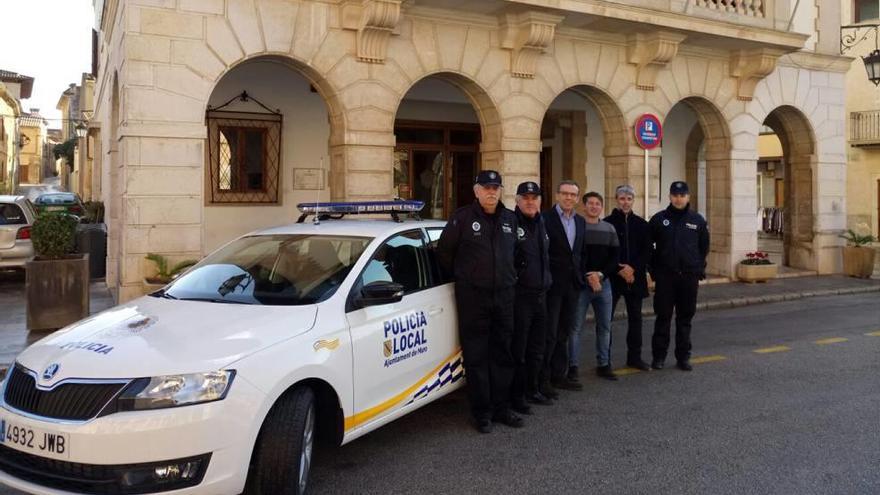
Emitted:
<point x="750" y="8"/>
<point x="864" y="128"/>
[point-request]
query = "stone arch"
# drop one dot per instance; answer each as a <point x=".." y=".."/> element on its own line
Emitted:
<point x="799" y="149"/>
<point x="615" y="134"/>
<point x="483" y="104"/>
<point x="719" y="207"/>
<point x="321" y="85"/>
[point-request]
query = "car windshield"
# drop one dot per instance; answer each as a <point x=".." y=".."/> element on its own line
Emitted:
<point x="287" y="270"/>
<point x="56" y="199"/>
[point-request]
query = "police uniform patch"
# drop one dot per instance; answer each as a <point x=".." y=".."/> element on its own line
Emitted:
<point x="506" y="228"/>
<point x="666" y="222"/>
<point x="476" y="226"/>
<point x="520" y="233"/>
<point x="691" y="226"/>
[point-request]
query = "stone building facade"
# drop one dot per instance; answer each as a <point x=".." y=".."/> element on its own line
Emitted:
<point x="375" y="99"/>
<point x="863" y="125"/>
<point x="33" y="142"/>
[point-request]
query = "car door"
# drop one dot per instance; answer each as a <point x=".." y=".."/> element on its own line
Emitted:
<point x="12" y="218"/>
<point x="400" y="347"/>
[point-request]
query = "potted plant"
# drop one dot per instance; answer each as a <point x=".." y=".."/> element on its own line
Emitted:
<point x="757" y="267"/>
<point x="163" y="275"/>
<point x="57" y="280"/>
<point x="858" y="257"/>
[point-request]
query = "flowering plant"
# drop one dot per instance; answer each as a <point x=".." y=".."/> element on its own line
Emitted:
<point x="757" y="258"/>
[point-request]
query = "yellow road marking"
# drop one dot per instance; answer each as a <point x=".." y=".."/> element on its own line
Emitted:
<point x="626" y="371"/>
<point x="832" y="340"/>
<point x="873" y="334"/>
<point x="768" y="350"/>
<point x="707" y="359"/>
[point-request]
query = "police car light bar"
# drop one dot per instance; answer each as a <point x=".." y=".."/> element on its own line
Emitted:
<point x="338" y="209"/>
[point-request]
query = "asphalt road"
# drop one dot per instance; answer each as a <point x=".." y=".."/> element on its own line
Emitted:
<point x="801" y="417"/>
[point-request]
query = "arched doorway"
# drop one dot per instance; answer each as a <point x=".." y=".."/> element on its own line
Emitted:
<point x="582" y="134"/>
<point x="444" y="127"/>
<point x="269" y="132"/>
<point x="785" y="181"/>
<point x="696" y="149"/>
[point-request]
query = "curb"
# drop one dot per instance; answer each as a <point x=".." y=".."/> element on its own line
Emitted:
<point x="751" y="301"/>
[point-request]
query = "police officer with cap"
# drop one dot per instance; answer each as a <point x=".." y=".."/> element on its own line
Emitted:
<point x="678" y="262"/>
<point x="478" y="247"/>
<point x="530" y="311"/>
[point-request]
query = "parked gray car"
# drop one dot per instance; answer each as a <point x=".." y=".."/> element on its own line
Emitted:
<point x="17" y="214"/>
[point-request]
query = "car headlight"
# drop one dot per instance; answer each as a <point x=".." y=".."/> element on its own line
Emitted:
<point x="175" y="390"/>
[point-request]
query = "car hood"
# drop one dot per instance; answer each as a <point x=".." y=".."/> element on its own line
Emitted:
<point x="152" y="336"/>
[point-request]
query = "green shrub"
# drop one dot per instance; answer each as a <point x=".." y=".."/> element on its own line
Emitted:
<point x="163" y="274"/>
<point x="857" y="239"/>
<point x="54" y="235"/>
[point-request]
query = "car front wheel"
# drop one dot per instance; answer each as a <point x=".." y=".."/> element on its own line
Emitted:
<point x="283" y="454"/>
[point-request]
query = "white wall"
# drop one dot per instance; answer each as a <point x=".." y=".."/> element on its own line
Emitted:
<point x="676" y="129"/>
<point x="594" y="142"/>
<point x="305" y="136"/>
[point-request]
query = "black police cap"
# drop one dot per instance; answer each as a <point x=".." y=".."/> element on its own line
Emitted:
<point x="488" y="178"/>
<point x="528" y="187"/>
<point x="679" y="187"/>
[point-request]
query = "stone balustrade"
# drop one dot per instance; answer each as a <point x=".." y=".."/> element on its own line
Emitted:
<point x="751" y="8"/>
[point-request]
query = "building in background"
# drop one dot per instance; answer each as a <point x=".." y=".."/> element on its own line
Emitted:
<point x="33" y="128"/>
<point x="15" y="87"/>
<point x="217" y="118"/>
<point x="863" y="109"/>
<point x="51" y="165"/>
<point x="68" y="105"/>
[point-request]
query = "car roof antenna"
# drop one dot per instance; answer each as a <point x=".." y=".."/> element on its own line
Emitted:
<point x="317" y="220"/>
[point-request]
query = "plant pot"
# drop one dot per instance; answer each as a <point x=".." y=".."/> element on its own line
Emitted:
<point x="756" y="273"/>
<point x="858" y="261"/>
<point x="57" y="292"/>
<point x="151" y="285"/>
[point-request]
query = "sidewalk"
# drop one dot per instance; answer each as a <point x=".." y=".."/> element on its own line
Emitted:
<point x="14" y="337"/>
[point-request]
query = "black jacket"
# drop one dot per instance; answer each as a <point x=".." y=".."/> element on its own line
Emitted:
<point x="681" y="242"/>
<point x="479" y="249"/>
<point x="567" y="264"/>
<point x="532" y="254"/>
<point x="635" y="250"/>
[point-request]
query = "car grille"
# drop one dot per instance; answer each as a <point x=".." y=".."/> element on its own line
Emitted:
<point x="99" y="479"/>
<point x="69" y="401"/>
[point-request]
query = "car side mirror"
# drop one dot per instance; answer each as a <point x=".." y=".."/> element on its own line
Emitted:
<point x="381" y="292"/>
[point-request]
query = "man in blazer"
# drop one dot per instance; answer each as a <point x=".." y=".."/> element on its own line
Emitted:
<point x="566" y="230"/>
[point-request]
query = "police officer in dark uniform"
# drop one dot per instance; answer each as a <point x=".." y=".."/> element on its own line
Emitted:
<point x="530" y="310"/>
<point x="678" y="263"/>
<point x="478" y="247"/>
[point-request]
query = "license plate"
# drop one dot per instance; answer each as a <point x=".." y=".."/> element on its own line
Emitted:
<point x="35" y="441"/>
<point x="55" y="208"/>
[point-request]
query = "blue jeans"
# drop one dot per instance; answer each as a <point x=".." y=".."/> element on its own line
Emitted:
<point x="601" y="303"/>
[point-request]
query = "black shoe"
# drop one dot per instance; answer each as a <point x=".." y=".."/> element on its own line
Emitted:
<point x="573" y="375"/>
<point x="657" y="364"/>
<point x="606" y="372"/>
<point x="509" y="419"/>
<point x="570" y="385"/>
<point x="548" y="391"/>
<point x="484" y="426"/>
<point x="522" y="408"/>
<point x="638" y="364"/>
<point x="539" y="399"/>
<point x="684" y="365"/>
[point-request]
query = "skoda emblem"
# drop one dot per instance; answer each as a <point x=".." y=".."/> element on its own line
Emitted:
<point x="50" y="371"/>
<point x="666" y="222"/>
<point x="476" y="226"/>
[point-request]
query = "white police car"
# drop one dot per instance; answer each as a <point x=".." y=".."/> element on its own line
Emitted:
<point x="220" y="382"/>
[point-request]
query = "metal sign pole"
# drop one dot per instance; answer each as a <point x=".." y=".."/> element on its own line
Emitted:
<point x="646" y="184"/>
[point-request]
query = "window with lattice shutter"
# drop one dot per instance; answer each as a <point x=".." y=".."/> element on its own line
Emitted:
<point x="244" y="151"/>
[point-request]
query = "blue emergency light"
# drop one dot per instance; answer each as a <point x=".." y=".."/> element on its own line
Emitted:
<point x="338" y="209"/>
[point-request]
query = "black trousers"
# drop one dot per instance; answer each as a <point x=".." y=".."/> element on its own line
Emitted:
<point x="633" y="303"/>
<point x="529" y="335"/>
<point x="485" y="329"/>
<point x="678" y="292"/>
<point x="562" y="305"/>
